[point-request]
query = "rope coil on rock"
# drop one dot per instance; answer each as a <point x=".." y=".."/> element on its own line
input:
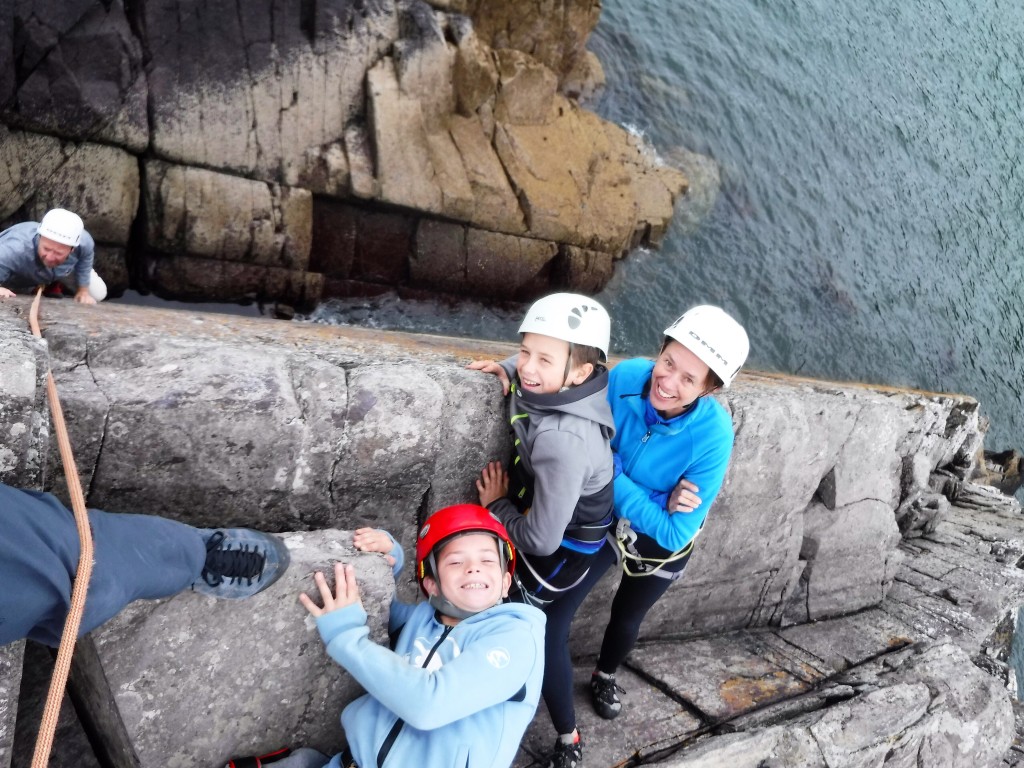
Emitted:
<point x="48" y="726"/>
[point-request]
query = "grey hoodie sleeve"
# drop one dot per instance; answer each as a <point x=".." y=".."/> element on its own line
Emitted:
<point x="560" y="467"/>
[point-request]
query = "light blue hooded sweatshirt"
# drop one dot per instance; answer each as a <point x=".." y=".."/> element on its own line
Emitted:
<point x="466" y="693"/>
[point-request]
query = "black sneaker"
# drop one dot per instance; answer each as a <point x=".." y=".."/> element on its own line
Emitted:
<point x="604" y="695"/>
<point x="567" y="755"/>
<point x="240" y="562"/>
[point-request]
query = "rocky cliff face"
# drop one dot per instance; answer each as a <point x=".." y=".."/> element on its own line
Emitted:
<point x="293" y="151"/>
<point x="845" y="531"/>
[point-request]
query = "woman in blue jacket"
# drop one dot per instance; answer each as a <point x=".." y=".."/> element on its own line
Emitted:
<point x="668" y="433"/>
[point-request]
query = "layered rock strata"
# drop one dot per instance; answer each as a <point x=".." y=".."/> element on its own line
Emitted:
<point x="845" y="508"/>
<point x="224" y="154"/>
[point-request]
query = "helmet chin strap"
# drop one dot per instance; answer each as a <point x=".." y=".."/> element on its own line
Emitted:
<point x="565" y="376"/>
<point x="446" y="607"/>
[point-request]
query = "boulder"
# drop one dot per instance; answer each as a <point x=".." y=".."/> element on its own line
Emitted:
<point x="288" y="426"/>
<point x="566" y="182"/>
<point x="583" y="270"/>
<point x="837" y="560"/>
<point x="10" y="683"/>
<point x="555" y="34"/>
<point x="494" y="203"/>
<point x="526" y="89"/>
<point x="439" y="260"/>
<point x="186" y="278"/>
<point x="251" y="686"/>
<point x="100" y="183"/>
<point x="303" y="426"/>
<point x="402" y="152"/>
<point x="503" y="265"/>
<point x="252" y="93"/>
<point x="79" y="74"/>
<point x="190" y="211"/>
<point x="70" y="743"/>
<point x="24" y="417"/>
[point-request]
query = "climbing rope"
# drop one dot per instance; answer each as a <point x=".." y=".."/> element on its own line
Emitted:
<point x="48" y="726"/>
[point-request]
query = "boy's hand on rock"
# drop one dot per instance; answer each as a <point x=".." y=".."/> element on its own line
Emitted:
<point x="489" y="366"/>
<point x="5" y="293"/>
<point x="373" y="540"/>
<point x="493" y="483"/>
<point x="684" y="497"/>
<point x="346" y="591"/>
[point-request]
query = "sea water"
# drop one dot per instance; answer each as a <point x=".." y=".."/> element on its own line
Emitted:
<point x="860" y="205"/>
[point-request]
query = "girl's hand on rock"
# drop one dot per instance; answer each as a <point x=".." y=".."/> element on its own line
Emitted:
<point x="346" y="591"/>
<point x="493" y="483"/>
<point x="489" y="366"/>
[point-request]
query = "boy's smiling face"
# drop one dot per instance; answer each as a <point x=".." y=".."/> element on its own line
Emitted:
<point x="470" y="573"/>
<point x="541" y="365"/>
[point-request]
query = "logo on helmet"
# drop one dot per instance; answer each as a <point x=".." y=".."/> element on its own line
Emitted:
<point x="707" y="346"/>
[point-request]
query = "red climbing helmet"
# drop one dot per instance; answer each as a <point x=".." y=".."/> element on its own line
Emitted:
<point x="454" y="521"/>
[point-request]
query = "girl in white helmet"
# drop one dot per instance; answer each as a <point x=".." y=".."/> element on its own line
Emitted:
<point x="667" y="432"/>
<point x="556" y="500"/>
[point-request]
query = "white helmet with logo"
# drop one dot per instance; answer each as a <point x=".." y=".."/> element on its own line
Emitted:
<point x="570" y="317"/>
<point x="61" y="226"/>
<point x="713" y="336"/>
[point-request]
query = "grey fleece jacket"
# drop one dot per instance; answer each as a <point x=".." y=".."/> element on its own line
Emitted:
<point x="565" y="448"/>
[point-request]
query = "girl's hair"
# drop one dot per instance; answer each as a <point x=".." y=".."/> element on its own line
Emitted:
<point x="582" y="354"/>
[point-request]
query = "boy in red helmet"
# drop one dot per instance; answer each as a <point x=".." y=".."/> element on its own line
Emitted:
<point x="463" y="682"/>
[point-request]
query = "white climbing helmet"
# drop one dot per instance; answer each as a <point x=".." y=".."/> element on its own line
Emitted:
<point x="713" y="336"/>
<point x="61" y="226"/>
<point x="570" y="317"/>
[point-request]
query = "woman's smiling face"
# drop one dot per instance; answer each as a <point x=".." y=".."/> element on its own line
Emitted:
<point x="679" y="377"/>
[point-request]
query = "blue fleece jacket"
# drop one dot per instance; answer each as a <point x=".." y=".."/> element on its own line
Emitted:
<point x="695" y="446"/>
<point x="20" y="268"/>
<point x="469" y="706"/>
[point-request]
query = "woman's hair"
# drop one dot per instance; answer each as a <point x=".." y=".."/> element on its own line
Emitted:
<point x="582" y="354"/>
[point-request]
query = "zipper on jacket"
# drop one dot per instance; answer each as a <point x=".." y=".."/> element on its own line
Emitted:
<point x="389" y="741"/>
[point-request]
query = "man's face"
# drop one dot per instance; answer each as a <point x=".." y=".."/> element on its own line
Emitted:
<point x="51" y="253"/>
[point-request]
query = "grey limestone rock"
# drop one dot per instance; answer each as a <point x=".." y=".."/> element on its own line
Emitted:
<point x="10" y="682"/>
<point x="195" y="680"/>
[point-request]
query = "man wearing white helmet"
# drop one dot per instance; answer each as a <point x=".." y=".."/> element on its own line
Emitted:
<point x="556" y="500"/>
<point x="669" y="435"/>
<point x="56" y="251"/>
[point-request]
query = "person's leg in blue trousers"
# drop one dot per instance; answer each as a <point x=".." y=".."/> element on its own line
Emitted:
<point x="136" y="556"/>
<point x="557" y="688"/>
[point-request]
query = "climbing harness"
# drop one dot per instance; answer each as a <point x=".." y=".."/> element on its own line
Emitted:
<point x="48" y="725"/>
<point x="625" y="539"/>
